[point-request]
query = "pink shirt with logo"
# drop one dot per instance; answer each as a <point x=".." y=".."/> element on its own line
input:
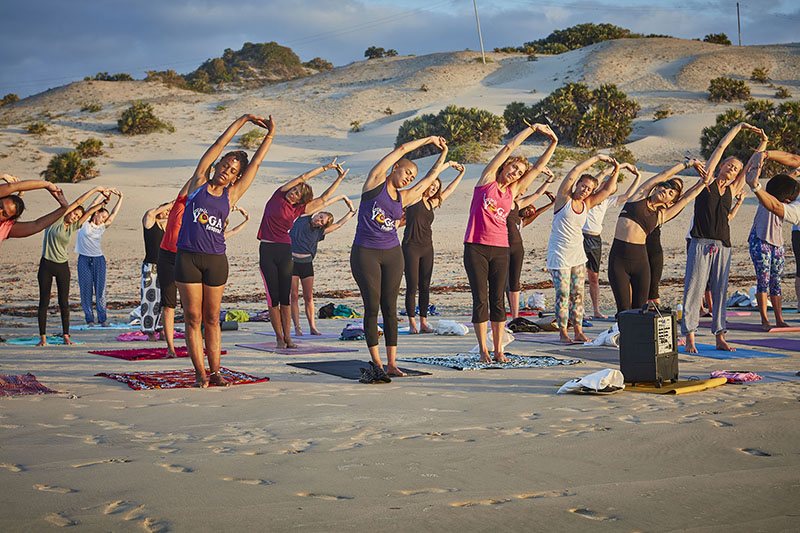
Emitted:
<point x="487" y="215"/>
<point x="5" y="228"/>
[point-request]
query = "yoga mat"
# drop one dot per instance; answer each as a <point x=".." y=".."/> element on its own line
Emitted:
<point x="139" y="336"/>
<point x="112" y="325"/>
<point x="143" y="354"/>
<point x="547" y="338"/>
<point x="302" y="348"/>
<point x="470" y="361"/>
<point x="348" y="369"/>
<point x="744" y="326"/>
<point x="18" y="385"/>
<point x="776" y="343"/>
<point x="707" y="350"/>
<point x="304" y="337"/>
<point x="175" y="379"/>
<point x="525" y="313"/>
<point x="33" y="341"/>
<point x="681" y="387"/>
<point x="738" y="313"/>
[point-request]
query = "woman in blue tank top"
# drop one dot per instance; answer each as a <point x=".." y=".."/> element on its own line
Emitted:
<point x="201" y="268"/>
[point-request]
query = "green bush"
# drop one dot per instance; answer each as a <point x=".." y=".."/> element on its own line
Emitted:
<point x="91" y="108"/>
<point x="781" y="124"/>
<point x="374" y="52"/>
<point x="760" y="74"/>
<point x="36" y="128"/>
<point x="388" y="111"/>
<point x="717" y="38"/>
<point x="271" y="59"/>
<point x="10" y="98"/>
<point x="90" y="148"/>
<point x="467" y="153"/>
<point x="782" y="93"/>
<point x="724" y="89"/>
<point x="663" y="112"/>
<point x="355" y="126"/>
<point x="391" y="52"/>
<point x="562" y="154"/>
<point x="623" y="155"/>
<point x="319" y="64"/>
<point x="458" y="125"/>
<point x="586" y="118"/>
<point x="105" y="76"/>
<point x="69" y="167"/>
<point x="139" y="119"/>
<point x="252" y="139"/>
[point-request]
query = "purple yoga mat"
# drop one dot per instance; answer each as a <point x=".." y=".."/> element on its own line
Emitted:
<point x="304" y="336"/>
<point x="302" y="348"/>
<point x="792" y="345"/>
<point x="744" y="326"/>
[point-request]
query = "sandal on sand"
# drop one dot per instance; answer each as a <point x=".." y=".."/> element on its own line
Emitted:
<point x="217" y="380"/>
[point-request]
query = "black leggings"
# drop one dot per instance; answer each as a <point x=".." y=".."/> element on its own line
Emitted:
<point x="277" y="265"/>
<point x="419" y="269"/>
<point x="796" y="251"/>
<point x="487" y="270"/>
<point x="378" y="274"/>
<point x="516" y="255"/>
<point x="47" y="271"/>
<point x="628" y="274"/>
<point x="655" y="256"/>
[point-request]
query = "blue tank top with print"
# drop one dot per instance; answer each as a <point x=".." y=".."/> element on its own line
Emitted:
<point x="203" y="222"/>
<point x="378" y="215"/>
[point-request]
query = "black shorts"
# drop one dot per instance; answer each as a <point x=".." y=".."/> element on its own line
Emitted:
<point x="166" y="278"/>
<point x="593" y="246"/>
<point x="303" y="270"/>
<point x="196" y="267"/>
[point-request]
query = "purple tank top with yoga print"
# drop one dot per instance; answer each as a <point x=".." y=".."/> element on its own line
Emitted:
<point x="378" y="215"/>
<point x="203" y="222"/>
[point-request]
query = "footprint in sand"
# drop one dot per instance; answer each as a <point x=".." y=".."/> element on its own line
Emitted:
<point x="480" y="502"/>
<point x="326" y="497"/>
<point x="101" y="462"/>
<point x="116" y="507"/>
<point x="546" y="494"/>
<point x="756" y="452"/>
<point x="155" y="526"/>
<point x="178" y="469"/>
<point x="13" y="467"/>
<point x="592" y="515"/>
<point x="414" y="492"/>
<point x="249" y="481"/>
<point x="60" y="519"/>
<point x="51" y="488"/>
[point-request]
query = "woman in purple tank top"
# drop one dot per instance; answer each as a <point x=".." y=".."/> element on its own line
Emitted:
<point x="201" y="268"/>
<point x="376" y="259"/>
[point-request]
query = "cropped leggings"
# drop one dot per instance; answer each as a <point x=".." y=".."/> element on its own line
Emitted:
<point x="47" y="271"/>
<point x="487" y="271"/>
<point x="516" y="255"/>
<point x="655" y="256"/>
<point x="418" y="269"/>
<point x="378" y="274"/>
<point x="629" y="274"/>
<point x="276" y="265"/>
<point x="568" y="283"/>
<point x="768" y="261"/>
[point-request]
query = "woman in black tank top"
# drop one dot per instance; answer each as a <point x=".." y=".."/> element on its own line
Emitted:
<point x="655" y="202"/>
<point x="153" y="223"/>
<point x="418" y="247"/>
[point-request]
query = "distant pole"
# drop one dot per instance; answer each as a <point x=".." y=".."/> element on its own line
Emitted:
<point x="480" y="37"/>
<point x="739" y="22"/>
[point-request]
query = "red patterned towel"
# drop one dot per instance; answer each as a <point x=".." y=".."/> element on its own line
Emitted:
<point x="142" y="354"/>
<point x="175" y="379"/>
<point x="27" y="384"/>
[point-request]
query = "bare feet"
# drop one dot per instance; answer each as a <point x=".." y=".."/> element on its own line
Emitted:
<point x="200" y="380"/>
<point x="152" y="337"/>
<point x="782" y="324"/>
<point x="42" y="342"/>
<point x="66" y="339"/>
<point x="171" y="354"/>
<point x="690" y="347"/>
<point x="105" y="324"/>
<point x="290" y="344"/>
<point x="581" y="337"/>
<point x="426" y="329"/>
<point x="500" y="357"/>
<point x="217" y="380"/>
<point x="765" y="325"/>
<point x="90" y="325"/>
<point x="485" y="358"/>
<point x="412" y="330"/>
<point x="315" y="331"/>
<point x="723" y="345"/>
<point x="565" y="338"/>
<point x="600" y="316"/>
<point x="299" y="332"/>
<point x="392" y="370"/>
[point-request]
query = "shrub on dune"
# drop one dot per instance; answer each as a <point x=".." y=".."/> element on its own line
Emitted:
<point x="139" y="119"/>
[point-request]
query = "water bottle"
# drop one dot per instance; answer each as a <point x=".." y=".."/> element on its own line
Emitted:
<point x="679" y="311"/>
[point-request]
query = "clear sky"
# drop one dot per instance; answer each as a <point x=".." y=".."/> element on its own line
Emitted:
<point x="47" y="43"/>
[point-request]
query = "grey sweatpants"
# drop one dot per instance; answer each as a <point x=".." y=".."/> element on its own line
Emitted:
<point x="707" y="262"/>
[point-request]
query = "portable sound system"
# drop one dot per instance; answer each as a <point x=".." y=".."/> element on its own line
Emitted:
<point x="648" y="345"/>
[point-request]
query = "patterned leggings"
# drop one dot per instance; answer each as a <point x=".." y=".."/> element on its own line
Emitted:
<point x="151" y="298"/>
<point x="92" y="278"/>
<point x="768" y="261"/>
<point x="568" y="283"/>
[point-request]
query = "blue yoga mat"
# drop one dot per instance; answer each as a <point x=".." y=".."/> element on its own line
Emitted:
<point x="707" y="350"/>
<point x="33" y="341"/>
<point x="98" y="327"/>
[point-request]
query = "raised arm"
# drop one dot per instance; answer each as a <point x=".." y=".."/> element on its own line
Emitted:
<point x="100" y="201"/>
<point x="739" y="201"/>
<point x="525" y="201"/>
<point x="608" y="187"/>
<point x="413" y="194"/>
<point x="784" y="158"/>
<point x="752" y="172"/>
<point x="324" y="199"/>
<point x="113" y="214"/>
<point x="489" y="173"/>
<point x="242" y="224"/>
<point x="82" y="198"/>
<point x="377" y="175"/>
<point x="675" y="209"/>
<point x="339" y="223"/>
<point x="236" y="190"/>
<point x="151" y="215"/>
<point x="662" y="176"/>
<point x="14" y="185"/>
<point x="451" y="187"/>
<point x="716" y="155"/>
<point x="538" y="211"/>
<point x="572" y="176"/>
<point x="26" y="229"/>
<point x="525" y="181"/>
<point x="637" y="178"/>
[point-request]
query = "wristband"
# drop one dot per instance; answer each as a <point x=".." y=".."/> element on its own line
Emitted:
<point x="756" y="188"/>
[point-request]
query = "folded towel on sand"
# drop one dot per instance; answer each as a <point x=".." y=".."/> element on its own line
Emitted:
<point x="175" y="379"/>
<point x="471" y="362"/>
<point x="142" y="354"/>
<point x="139" y="336"/>
<point x="17" y="385"/>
